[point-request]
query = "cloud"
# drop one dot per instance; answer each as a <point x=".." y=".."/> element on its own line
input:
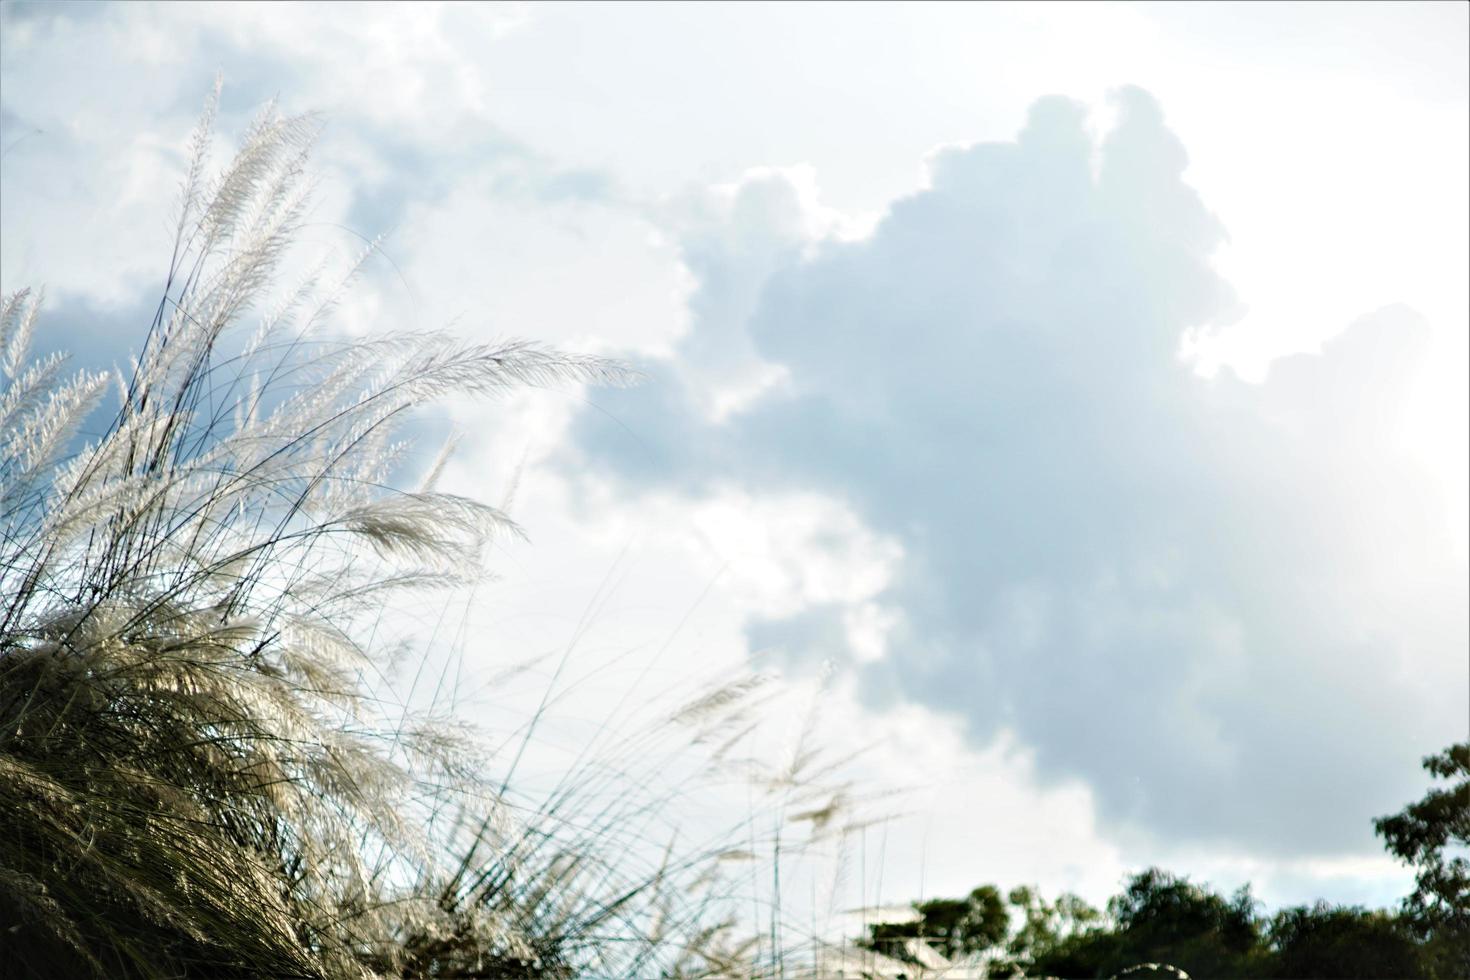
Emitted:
<point x="1232" y="609"/>
<point x="98" y="103"/>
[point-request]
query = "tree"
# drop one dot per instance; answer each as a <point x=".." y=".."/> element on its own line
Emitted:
<point x="1044" y="928"/>
<point x="969" y="926"/>
<point x="1426" y="835"/>
<point x="1163" y="918"/>
<point x="956" y="927"/>
<point x="1322" y="940"/>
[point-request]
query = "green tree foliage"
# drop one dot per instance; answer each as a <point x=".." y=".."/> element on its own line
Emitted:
<point x="1322" y="940"/>
<point x="956" y="927"/>
<point x="1160" y="917"/>
<point x="1043" y="927"/>
<point x="1433" y="835"/>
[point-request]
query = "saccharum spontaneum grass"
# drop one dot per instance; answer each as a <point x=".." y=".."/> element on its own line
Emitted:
<point x="198" y="777"/>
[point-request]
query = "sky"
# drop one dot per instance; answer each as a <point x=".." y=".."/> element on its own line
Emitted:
<point x="1074" y="395"/>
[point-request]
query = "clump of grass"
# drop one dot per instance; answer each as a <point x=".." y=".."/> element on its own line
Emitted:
<point x="199" y="776"/>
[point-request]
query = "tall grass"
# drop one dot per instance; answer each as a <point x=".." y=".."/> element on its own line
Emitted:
<point x="201" y="774"/>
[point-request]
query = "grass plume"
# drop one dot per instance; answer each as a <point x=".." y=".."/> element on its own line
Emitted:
<point x="199" y="776"/>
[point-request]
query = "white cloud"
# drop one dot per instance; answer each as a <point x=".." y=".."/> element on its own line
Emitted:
<point x="99" y="101"/>
<point x="1205" y="598"/>
<point x="960" y="817"/>
<point x="573" y="274"/>
<point x="786" y="552"/>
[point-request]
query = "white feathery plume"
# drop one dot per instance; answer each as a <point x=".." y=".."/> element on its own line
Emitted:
<point x="191" y="720"/>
